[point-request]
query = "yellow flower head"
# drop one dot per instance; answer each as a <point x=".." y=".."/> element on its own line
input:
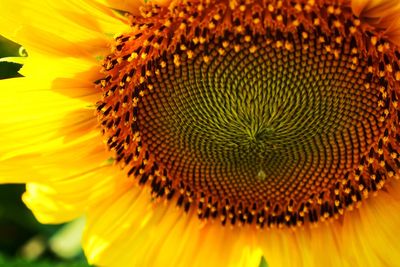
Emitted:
<point x="210" y="133"/>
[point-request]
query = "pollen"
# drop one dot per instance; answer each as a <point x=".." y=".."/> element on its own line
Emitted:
<point x="266" y="113"/>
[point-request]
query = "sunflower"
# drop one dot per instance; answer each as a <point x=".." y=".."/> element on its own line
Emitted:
<point x="209" y="133"/>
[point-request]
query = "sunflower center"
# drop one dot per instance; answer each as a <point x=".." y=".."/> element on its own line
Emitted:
<point x="255" y="113"/>
<point x="260" y="123"/>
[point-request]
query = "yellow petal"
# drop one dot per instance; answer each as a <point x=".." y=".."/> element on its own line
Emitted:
<point x="129" y="230"/>
<point x="133" y="6"/>
<point x="32" y="116"/>
<point x="63" y="198"/>
<point x="52" y="142"/>
<point x="359" y="5"/>
<point x="63" y="28"/>
<point x="383" y="15"/>
<point x="370" y="233"/>
<point x="367" y="236"/>
<point x="71" y="77"/>
<point x="64" y="176"/>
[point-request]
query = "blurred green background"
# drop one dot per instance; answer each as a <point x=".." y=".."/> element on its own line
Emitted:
<point x="24" y="241"/>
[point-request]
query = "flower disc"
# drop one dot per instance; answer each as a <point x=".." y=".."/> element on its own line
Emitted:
<point x="261" y="112"/>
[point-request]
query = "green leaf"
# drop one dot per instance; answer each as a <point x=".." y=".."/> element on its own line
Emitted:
<point x="9" y="70"/>
<point x="9" y="48"/>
